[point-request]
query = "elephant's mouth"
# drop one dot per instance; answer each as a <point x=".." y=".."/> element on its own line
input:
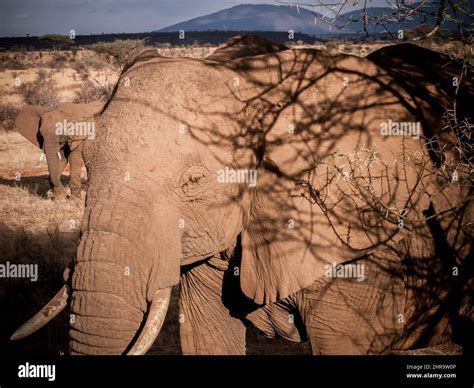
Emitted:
<point x="155" y="316"/>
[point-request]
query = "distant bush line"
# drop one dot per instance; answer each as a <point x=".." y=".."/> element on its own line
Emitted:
<point x="213" y="38"/>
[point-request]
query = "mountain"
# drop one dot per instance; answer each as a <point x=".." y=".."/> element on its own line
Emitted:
<point x="265" y="17"/>
<point x="261" y="17"/>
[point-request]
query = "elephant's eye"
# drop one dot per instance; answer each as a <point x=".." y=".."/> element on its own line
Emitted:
<point x="193" y="179"/>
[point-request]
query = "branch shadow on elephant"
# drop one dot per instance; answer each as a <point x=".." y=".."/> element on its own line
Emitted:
<point x="331" y="185"/>
<point x="437" y="274"/>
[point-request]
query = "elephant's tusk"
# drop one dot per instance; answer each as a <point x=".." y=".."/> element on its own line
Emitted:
<point x="46" y="314"/>
<point x="154" y="321"/>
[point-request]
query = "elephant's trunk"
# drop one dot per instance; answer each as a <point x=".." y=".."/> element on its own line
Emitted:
<point x="125" y="265"/>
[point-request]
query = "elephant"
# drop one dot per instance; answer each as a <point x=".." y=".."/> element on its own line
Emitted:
<point x="432" y="80"/>
<point x="245" y="45"/>
<point x="275" y="191"/>
<point x="60" y="134"/>
<point x="438" y="83"/>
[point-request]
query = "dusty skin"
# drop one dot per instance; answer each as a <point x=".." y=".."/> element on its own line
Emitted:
<point x="330" y="190"/>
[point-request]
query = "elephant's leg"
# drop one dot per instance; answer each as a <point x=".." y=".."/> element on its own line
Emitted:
<point x="351" y="317"/>
<point x="75" y="163"/>
<point x="206" y="326"/>
<point x="56" y="165"/>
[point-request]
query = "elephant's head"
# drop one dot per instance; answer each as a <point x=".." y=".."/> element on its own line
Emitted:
<point x="37" y="124"/>
<point x="28" y="123"/>
<point x="69" y="123"/>
<point x="193" y="158"/>
<point x="246" y="45"/>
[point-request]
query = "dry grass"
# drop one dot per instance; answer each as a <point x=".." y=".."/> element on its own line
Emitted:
<point x="24" y="208"/>
<point x="42" y="91"/>
<point x="38" y="231"/>
<point x="33" y="230"/>
<point x="7" y="62"/>
<point x="50" y="78"/>
<point x="17" y="153"/>
<point x="24" y="205"/>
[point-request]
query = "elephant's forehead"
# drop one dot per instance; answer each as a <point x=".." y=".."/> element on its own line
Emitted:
<point x="182" y="106"/>
<point x="182" y="89"/>
<point x="171" y="73"/>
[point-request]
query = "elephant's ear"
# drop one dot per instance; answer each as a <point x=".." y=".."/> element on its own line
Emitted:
<point x="28" y="122"/>
<point x="278" y="254"/>
<point x="290" y="238"/>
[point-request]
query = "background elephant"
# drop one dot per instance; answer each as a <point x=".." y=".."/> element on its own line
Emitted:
<point x="171" y="200"/>
<point x="60" y="143"/>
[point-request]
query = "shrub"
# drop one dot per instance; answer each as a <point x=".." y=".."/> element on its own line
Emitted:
<point x="348" y="48"/>
<point x="81" y="68"/>
<point x="42" y="91"/>
<point x="56" y="40"/>
<point x="58" y="61"/>
<point x="331" y="45"/>
<point x="93" y="91"/>
<point x="94" y="62"/>
<point x="8" y="113"/>
<point x="11" y="63"/>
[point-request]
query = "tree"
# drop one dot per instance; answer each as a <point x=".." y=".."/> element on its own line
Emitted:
<point x="437" y="12"/>
<point x="58" y="41"/>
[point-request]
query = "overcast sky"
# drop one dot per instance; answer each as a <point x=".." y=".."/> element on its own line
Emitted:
<point x="38" y="17"/>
